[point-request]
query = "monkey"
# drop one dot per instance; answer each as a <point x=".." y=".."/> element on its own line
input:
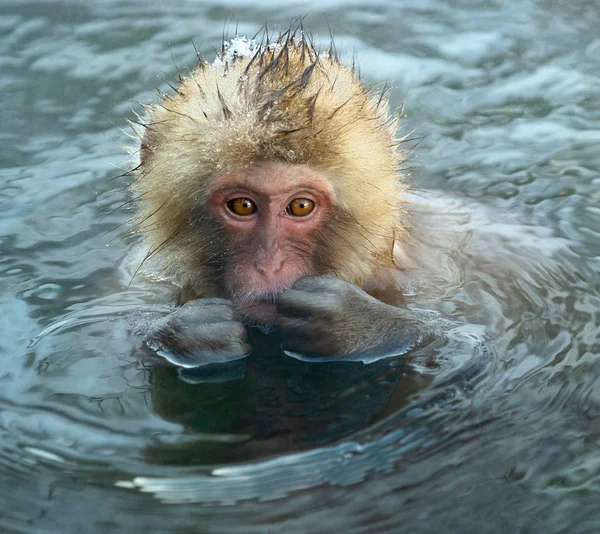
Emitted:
<point x="270" y="189"/>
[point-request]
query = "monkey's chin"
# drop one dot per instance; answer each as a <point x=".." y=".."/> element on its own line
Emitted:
<point x="258" y="307"/>
<point x="261" y="314"/>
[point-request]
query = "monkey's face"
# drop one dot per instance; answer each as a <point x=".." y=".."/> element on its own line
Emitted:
<point x="270" y="216"/>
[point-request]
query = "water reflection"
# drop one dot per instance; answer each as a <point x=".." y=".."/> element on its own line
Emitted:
<point x="271" y="404"/>
<point x="493" y="430"/>
<point x="280" y="425"/>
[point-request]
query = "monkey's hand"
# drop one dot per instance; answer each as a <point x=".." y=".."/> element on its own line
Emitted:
<point x="327" y="316"/>
<point x="200" y="332"/>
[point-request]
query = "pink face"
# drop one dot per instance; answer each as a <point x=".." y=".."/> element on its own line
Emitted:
<point x="269" y="213"/>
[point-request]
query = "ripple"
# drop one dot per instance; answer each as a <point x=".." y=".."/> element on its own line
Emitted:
<point x="494" y="430"/>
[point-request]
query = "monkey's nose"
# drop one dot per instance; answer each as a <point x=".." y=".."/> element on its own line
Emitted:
<point x="270" y="267"/>
<point x="268" y="260"/>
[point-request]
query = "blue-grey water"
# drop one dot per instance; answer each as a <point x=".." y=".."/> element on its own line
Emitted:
<point x="496" y="429"/>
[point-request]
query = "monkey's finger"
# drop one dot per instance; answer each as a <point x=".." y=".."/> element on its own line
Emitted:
<point x="294" y="303"/>
<point x="298" y="303"/>
<point x="307" y="337"/>
<point x="320" y="283"/>
<point x="193" y="337"/>
<point x="218" y="336"/>
<point x="205" y="344"/>
<point x="290" y="325"/>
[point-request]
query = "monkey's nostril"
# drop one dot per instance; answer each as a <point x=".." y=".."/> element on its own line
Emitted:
<point x="268" y="269"/>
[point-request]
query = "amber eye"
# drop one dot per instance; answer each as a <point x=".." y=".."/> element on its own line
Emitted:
<point x="300" y="207"/>
<point x="242" y="206"/>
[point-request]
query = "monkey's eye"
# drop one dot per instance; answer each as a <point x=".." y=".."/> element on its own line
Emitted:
<point x="300" y="207"/>
<point x="242" y="206"/>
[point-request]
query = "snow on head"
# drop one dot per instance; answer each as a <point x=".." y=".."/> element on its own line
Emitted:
<point x="236" y="47"/>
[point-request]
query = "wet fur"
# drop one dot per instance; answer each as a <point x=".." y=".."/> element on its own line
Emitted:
<point x="287" y="103"/>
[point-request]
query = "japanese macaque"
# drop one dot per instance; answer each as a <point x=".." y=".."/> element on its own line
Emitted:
<point x="270" y="189"/>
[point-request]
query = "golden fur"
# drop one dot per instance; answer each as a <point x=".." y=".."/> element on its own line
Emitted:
<point x="287" y="103"/>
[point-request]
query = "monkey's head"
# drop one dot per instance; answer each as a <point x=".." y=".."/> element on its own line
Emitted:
<point x="270" y="164"/>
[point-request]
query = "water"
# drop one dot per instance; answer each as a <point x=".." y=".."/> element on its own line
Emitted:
<point x="495" y="429"/>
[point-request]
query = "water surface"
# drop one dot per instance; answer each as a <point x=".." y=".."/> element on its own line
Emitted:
<point x="494" y="429"/>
